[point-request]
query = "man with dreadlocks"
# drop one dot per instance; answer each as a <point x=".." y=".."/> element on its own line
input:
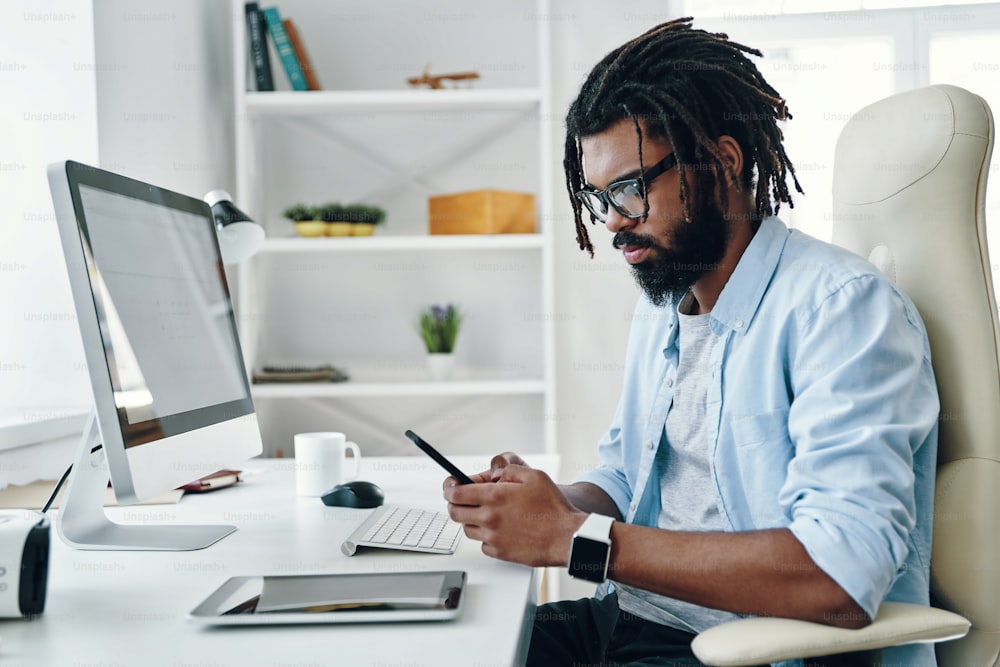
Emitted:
<point x="774" y="445"/>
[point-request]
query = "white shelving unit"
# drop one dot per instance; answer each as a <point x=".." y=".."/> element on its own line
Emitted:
<point x="405" y="243"/>
<point x="353" y="302"/>
<point x="287" y="103"/>
<point x="403" y="388"/>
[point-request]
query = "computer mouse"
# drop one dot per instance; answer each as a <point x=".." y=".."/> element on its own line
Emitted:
<point x="354" y="494"/>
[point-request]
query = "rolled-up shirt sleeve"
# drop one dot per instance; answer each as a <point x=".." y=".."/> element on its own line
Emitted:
<point x="864" y="405"/>
<point x="609" y="475"/>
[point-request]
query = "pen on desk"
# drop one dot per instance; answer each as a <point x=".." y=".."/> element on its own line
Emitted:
<point x="222" y="481"/>
<point x="216" y="480"/>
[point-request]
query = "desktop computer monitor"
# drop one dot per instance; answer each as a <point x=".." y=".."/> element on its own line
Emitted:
<point x="171" y="397"/>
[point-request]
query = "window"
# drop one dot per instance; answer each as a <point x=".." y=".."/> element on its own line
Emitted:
<point x="828" y="63"/>
<point x="724" y="8"/>
<point x="819" y="79"/>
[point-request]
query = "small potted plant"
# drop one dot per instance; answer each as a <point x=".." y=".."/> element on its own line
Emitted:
<point x="334" y="215"/>
<point x="439" y="327"/>
<point x="363" y="218"/>
<point x="306" y="220"/>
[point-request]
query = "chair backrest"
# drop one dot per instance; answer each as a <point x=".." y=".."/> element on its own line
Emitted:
<point x="909" y="193"/>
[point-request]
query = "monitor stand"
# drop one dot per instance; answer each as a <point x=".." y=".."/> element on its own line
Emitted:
<point x="83" y="524"/>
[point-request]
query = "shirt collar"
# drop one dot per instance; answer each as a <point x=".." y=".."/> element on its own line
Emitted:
<point x="741" y="297"/>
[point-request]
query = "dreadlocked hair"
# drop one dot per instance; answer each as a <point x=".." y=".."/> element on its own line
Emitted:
<point x="688" y="87"/>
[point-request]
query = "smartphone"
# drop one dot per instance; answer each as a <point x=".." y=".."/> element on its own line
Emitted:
<point x="437" y="456"/>
<point x="377" y="597"/>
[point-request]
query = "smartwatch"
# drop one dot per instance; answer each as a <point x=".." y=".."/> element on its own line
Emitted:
<point x="591" y="549"/>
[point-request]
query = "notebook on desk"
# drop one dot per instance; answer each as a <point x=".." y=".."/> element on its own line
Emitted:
<point x="405" y="528"/>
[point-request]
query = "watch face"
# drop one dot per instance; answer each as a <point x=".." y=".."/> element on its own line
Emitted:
<point x="588" y="559"/>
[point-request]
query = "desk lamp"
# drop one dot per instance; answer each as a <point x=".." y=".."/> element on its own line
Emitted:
<point x="239" y="236"/>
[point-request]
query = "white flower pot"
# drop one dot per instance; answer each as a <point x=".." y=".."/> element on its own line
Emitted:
<point x="440" y="365"/>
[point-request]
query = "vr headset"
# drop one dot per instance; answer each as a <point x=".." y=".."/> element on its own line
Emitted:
<point x="24" y="563"/>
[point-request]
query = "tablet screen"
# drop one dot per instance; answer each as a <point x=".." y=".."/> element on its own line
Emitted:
<point x="335" y="598"/>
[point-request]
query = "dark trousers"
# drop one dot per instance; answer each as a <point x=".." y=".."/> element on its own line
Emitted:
<point x="591" y="632"/>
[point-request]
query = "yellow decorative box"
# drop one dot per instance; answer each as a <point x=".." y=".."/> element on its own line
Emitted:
<point x="482" y="212"/>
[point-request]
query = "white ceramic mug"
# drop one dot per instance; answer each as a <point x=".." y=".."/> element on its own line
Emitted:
<point x="321" y="462"/>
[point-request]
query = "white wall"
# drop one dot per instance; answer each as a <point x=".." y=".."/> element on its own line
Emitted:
<point x="142" y="88"/>
<point x="48" y="112"/>
<point x="164" y="86"/>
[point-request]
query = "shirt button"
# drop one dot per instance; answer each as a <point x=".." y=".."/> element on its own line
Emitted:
<point x="632" y="507"/>
<point x="739" y="323"/>
<point x="649" y="444"/>
<point x="669" y="382"/>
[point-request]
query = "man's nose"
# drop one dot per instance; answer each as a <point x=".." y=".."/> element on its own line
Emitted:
<point x="617" y="222"/>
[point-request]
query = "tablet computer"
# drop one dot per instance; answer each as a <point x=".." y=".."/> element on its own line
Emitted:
<point x="334" y="598"/>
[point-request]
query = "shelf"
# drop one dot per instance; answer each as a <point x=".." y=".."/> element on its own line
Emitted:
<point x="314" y="102"/>
<point x="408" y="243"/>
<point x="371" y="138"/>
<point x="32" y="427"/>
<point x="363" y="389"/>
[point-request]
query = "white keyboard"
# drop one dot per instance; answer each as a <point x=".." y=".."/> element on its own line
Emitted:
<point x="406" y="528"/>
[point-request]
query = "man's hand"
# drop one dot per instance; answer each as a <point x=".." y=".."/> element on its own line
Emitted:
<point x="522" y="516"/>
<point x="497" y="464"/>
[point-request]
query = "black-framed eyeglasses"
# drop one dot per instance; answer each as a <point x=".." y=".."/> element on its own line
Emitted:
<point x="625" y="196"/>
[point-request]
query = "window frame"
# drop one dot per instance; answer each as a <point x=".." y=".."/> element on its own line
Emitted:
<point x="910" y="28"/>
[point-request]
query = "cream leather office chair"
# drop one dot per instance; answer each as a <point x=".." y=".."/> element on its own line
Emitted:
<point x="909" y="188"/>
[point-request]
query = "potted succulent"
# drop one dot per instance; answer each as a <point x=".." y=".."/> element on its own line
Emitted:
<point x="439" y="327"/>
<point x="305" y="219"/>
<point x="335" y="217"/>
<point x="363" y="218"/>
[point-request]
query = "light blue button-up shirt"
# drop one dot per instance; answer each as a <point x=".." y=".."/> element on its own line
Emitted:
<point x="822" y="416"/>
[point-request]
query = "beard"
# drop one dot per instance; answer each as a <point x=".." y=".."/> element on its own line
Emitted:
<point x="696" y="248"/>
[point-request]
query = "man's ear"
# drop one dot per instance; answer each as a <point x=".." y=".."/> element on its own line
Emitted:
<point x="732" y="158"/>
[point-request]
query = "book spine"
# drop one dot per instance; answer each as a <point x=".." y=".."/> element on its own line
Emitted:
<point x="284" y="48"/>
<point x="258" y="48"/>
<point x="312" y="81"/>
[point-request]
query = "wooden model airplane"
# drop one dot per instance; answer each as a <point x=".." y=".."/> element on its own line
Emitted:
<point x="436" y="81"/>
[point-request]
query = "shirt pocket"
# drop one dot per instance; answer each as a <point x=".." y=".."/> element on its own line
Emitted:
<point x="758" y="468"/>
<point x="748" y="430"/>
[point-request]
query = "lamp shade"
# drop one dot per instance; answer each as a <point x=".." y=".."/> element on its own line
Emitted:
<point x="239" y="236"/>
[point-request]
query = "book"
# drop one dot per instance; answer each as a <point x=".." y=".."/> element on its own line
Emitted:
<point x="283" y="46"/>
<point x="312" y="82"/>
<point x="324" y="373"/>
<point x="257" y="42"/>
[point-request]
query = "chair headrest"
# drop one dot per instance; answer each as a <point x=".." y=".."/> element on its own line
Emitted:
<point x="938" y="113"/>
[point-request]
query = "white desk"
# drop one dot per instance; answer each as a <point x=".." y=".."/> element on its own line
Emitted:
<point x="129" y="608"/>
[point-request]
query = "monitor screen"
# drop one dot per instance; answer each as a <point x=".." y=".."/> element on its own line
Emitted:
<point x="165" y="317"/>
<point x="171" y="395"/>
